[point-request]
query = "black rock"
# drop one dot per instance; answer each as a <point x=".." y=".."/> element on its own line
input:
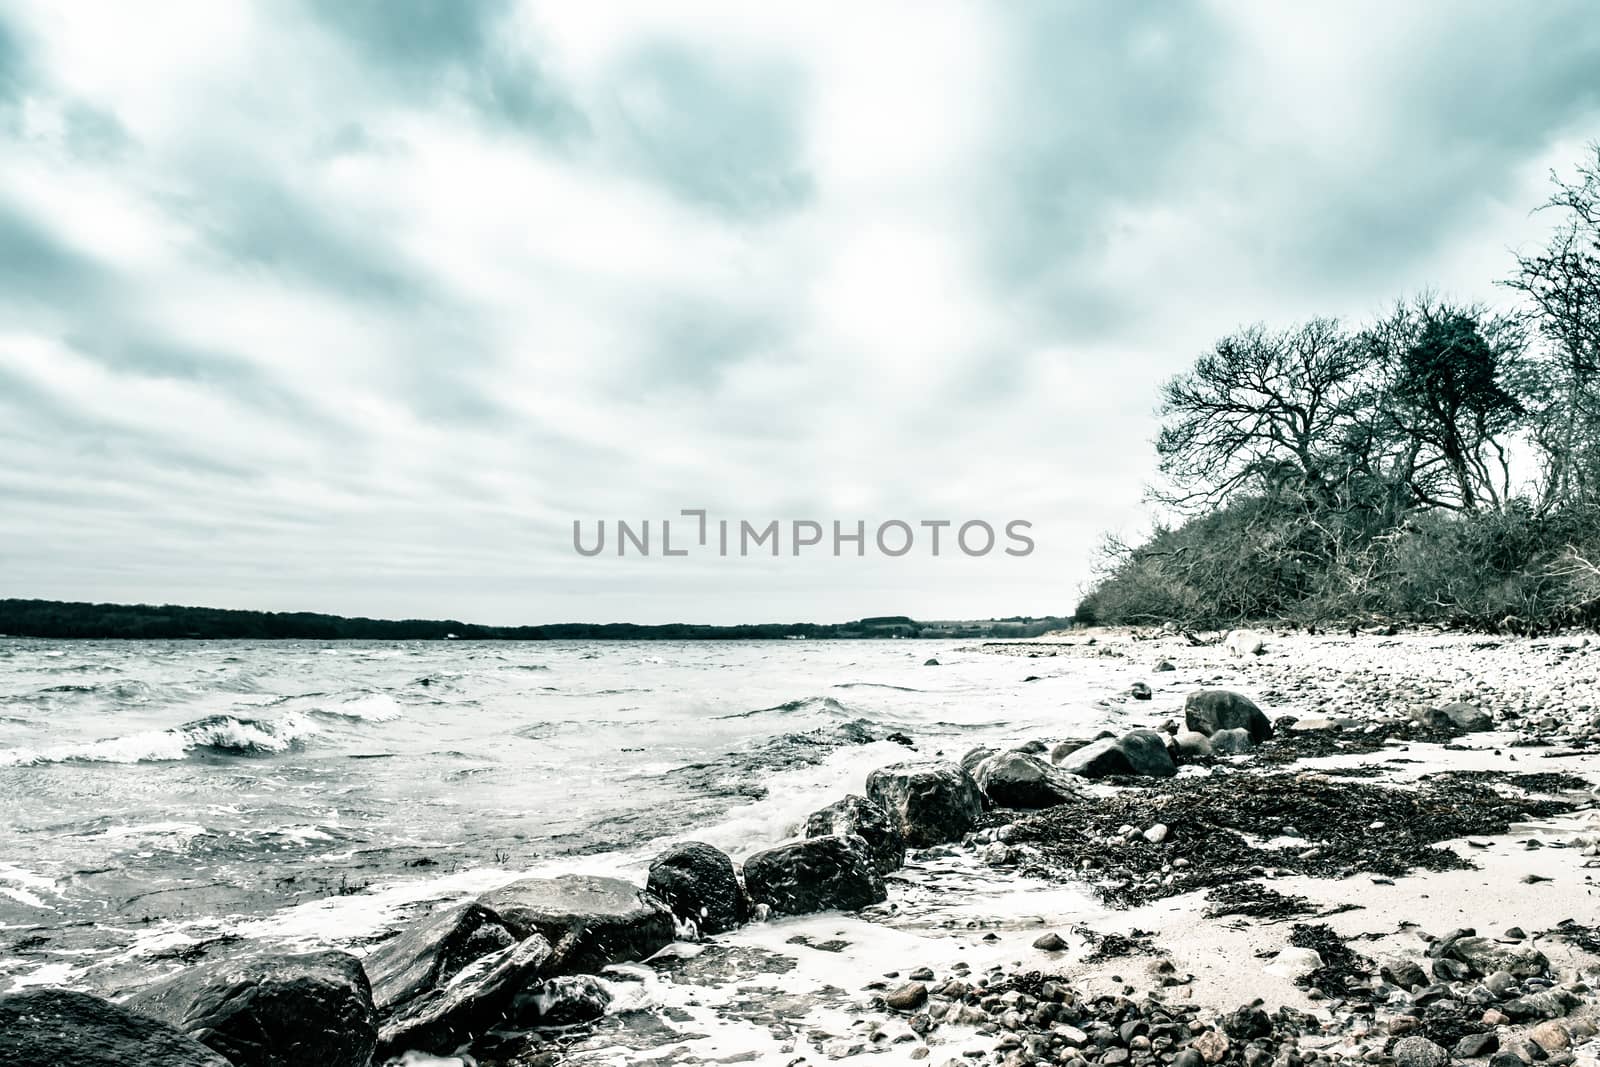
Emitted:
<point x="886" y="845"/>
<point x="1188" y="1057"/>
<point x="1407" y="974"/>
<point x="698" y="883"/>
<point x="1506" y="1059"/>
<point x="590" y="922"/>
<point x="478" y="999"/>
<point x="934" y="801"/>
<point x="817" y="874"/>
<point x="427" y="955"/>
<point x="1165" y="665"/>
<point x="1140" y="691"/>
<point x="564" y="1001"/>
<point x="61" y="1028"/>
<point x="272" y="1010"/>
<point x="1474" y="1045"/>
<point x="1210" y="710"/>
<point x="1137" y="752"/>
<point x="1246" y="1023"/>
<point x="1020" y="780"/>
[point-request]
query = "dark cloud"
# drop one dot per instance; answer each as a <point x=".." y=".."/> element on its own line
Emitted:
<point x="36" y="268"/>
<point x="257" y="221"/>
<point x="424" y="48"/>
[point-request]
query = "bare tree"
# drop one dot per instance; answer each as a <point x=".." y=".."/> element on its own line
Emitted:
<point x="1262" y="410"/>
<point x="1561" y="287"/>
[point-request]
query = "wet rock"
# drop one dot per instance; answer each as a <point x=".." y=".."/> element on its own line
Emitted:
<point x="272" y="1010"/>
<point x="62" y="1028"/>
<point x="976" y="756"/>
<point x="1209" y="710"/>
<point x="1137" y="752"/>
<point x="930" y="663"/>
<point x="479" y="998"/>
<point x="563" y="1001"/>
<point x="886" y="845"/>
<point x="1419" y="1052"/>
<point x="817" y="874"/>
<point x="590" y="922"/>
<point x="908" y="997"/>
<point x="1020" y="780"/>
<point x="1234" y="742"/>
<point x="1472" y="1046"/>
<point x="427" y="955"/>
<point x="698" y="883"/>
<point x="1051" y="942"/>
<point x="934" y="801"/>
<point x="1140" y="691"/>
<point x="1165" y="665"/>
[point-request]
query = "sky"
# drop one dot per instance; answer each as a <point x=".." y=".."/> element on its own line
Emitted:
<point x="357" y="305"/>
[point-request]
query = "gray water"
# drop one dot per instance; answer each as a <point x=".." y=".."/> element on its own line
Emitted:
<point x="150" y="787"/>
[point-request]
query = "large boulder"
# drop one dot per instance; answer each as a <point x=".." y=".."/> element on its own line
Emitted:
<point x="426" y="956"/>
<point x="271" y="1010"/>
<point x="817" y="874"/>
<point x="1209" y="710"/>
<point x="697" y="882"/>
<point x="62" y="1028"/>
<point x="934" y="801"/>
<point x="1137" y="752"/>
<point x="479" y="997"/>
<point x="591" y="922"/>
<point x="1021" y="780"/>
<point x="886" y="845"/>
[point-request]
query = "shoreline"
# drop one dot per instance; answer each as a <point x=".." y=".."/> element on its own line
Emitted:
<point x="815" y="985"/>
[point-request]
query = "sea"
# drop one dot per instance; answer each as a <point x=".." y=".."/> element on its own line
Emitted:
<point x="157" y="796"/>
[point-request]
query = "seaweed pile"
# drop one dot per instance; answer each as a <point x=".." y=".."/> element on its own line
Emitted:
<point x="1233" y="827"/>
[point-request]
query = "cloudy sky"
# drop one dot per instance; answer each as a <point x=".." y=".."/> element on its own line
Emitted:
<point x="356" y="305"/>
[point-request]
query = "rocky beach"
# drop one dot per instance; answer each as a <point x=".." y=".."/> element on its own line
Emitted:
<point x="1280" y="848"/>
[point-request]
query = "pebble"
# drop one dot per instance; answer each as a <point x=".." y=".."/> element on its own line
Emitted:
<point x="1051" y="942"/>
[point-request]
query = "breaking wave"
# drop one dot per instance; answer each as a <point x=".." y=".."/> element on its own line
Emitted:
<point x="224" y="735"/>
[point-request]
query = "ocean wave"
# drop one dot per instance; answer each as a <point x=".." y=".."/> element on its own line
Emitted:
<point x="878" y="685"/>
<point x="827" y="705"/>
<point x="216" y="734"/>
<point x="369" y="707"/>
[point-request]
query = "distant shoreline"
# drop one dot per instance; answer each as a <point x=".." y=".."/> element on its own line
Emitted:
<point x="76" y="620"/>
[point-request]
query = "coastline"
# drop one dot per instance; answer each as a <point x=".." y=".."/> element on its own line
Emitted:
<point x="815" y="985"/>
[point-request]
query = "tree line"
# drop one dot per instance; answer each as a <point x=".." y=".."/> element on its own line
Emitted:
<point x="1441" y="463"/>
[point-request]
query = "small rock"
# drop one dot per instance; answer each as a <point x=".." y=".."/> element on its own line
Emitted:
<point x="1051" y="942"/>
<point x="1212" y="1046"/>
<point x="1551" y="1036"/>
<point x="1474" y="1045"/>
<point x="1419" y="1052"/>
<point x="908" y="997"/>
<point x="1140" y="691"/>
<point x="1156" y="834"/>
